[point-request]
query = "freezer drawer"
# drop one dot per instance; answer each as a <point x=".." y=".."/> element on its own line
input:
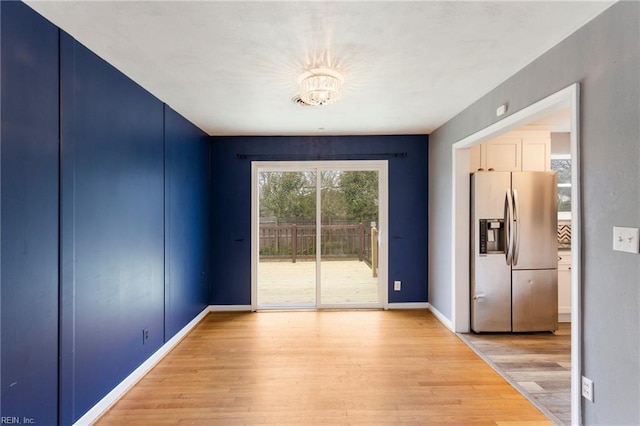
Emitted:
<point x="535" y="300"/>
<point x="490" y="294"/>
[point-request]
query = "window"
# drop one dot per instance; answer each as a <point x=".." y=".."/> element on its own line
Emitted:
<point x="561" y="163"/>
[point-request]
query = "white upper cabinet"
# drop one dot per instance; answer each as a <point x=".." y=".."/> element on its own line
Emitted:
<point x="504" y="154"/>
<point x="476" y="158"/>
<point x="526" y="149"/>
<point x="536" y="154"/>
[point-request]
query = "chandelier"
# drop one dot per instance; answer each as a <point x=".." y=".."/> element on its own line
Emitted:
<point x="320" y="86"/>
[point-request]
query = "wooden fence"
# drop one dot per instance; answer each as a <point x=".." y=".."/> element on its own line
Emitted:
<point x="299" y="242"/>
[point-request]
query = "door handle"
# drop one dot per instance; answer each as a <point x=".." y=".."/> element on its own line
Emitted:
<point x="508" y="234"/>
<point x="516" y="231"/>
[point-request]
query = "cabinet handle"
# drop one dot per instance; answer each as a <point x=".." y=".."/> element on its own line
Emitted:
<point x="559" y="258"/>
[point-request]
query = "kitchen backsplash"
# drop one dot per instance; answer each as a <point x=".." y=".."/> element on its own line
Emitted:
<point x="564" y="236"/>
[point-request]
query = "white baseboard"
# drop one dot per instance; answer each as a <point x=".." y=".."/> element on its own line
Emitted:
<point x="440" y="316"/>
<point x="564" y="313"/>
<point x="564" y="317"/>
<point x="112" y="397"/>
<point x="229" y="308"/>
<point x="411" y="305"/>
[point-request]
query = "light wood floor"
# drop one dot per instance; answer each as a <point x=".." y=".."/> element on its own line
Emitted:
<point x="325" y="367"/>
<point x="539" y="363"/>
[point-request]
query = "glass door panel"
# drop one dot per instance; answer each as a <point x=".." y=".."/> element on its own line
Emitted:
<point x="349" y="205"/>
<point x="287" y="239"/>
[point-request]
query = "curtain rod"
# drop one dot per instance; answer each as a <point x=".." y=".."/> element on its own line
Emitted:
<point x="319" y="156"/>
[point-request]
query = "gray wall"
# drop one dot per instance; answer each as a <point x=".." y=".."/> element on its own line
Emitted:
<point x="604" y="57"/>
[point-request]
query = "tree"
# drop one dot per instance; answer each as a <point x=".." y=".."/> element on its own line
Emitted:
<point x="288" y="195"/>
<point x="360" y="189"/>
<point x="349" y="195"/>
<point x="332" y="197"/>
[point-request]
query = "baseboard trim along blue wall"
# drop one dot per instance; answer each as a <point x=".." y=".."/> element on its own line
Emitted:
<point x="119" y="391"/>
<point x="112" y="397"/>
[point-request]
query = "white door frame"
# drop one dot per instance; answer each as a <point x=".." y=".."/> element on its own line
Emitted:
<point x="382" y="167"/>
<point x="568" y="97"/>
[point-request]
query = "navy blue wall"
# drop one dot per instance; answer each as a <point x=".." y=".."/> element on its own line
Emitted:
<point x="186" y="221"/>
<point x="29" y="215"/>
<point x="112" y="227"/>
<point x="231" y="200"/>
<point x="104" y="191"/>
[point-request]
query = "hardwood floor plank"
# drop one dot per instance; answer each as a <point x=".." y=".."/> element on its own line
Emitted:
<point x="338" y="367"/>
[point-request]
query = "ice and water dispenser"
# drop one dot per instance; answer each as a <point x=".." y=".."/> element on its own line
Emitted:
<point x="492" y="236"/>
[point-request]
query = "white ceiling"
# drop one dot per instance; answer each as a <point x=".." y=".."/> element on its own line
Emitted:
<point x="231" y="67"/>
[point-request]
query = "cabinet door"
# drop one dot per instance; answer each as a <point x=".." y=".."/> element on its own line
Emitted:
<point x="476" y="158"/>
<point x="536" y="153"/>
<point x="504" y="155"/>
<point x="564" y="287"/>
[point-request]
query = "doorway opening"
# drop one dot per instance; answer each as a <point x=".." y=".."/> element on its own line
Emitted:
<point x="567" y="98"/>
<point x="319" y="234"/>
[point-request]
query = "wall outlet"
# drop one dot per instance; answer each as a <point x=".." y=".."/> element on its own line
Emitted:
<point x="587" y="388"/>
<point x="145" y="335"/>
<point x="397" y="285"/>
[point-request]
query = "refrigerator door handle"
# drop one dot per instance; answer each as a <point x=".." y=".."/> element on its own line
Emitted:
<point x="508" y="215"/>
<point x="516" y="227"/>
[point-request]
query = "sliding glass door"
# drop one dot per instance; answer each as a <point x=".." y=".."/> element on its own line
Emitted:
<point x="317" y="234"/>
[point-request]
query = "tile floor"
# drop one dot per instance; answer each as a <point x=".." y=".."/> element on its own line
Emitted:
<point x="539" y="363"/>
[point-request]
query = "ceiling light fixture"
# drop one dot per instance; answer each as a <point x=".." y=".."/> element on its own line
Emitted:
<point x="320" y="86"/>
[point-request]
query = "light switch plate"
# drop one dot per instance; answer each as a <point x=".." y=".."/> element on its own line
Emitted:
<point x="626" y="239"/>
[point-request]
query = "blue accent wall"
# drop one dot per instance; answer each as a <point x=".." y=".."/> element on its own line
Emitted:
<point x="187" y="220"/>
<point x="29" y="215"/>
<point x="104" y="219"/>
<point x="231" y="200"/>
<point x="112" y="227"/>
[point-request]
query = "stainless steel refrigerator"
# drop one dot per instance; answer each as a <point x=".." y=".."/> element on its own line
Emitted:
<point x="514" y="279"/>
